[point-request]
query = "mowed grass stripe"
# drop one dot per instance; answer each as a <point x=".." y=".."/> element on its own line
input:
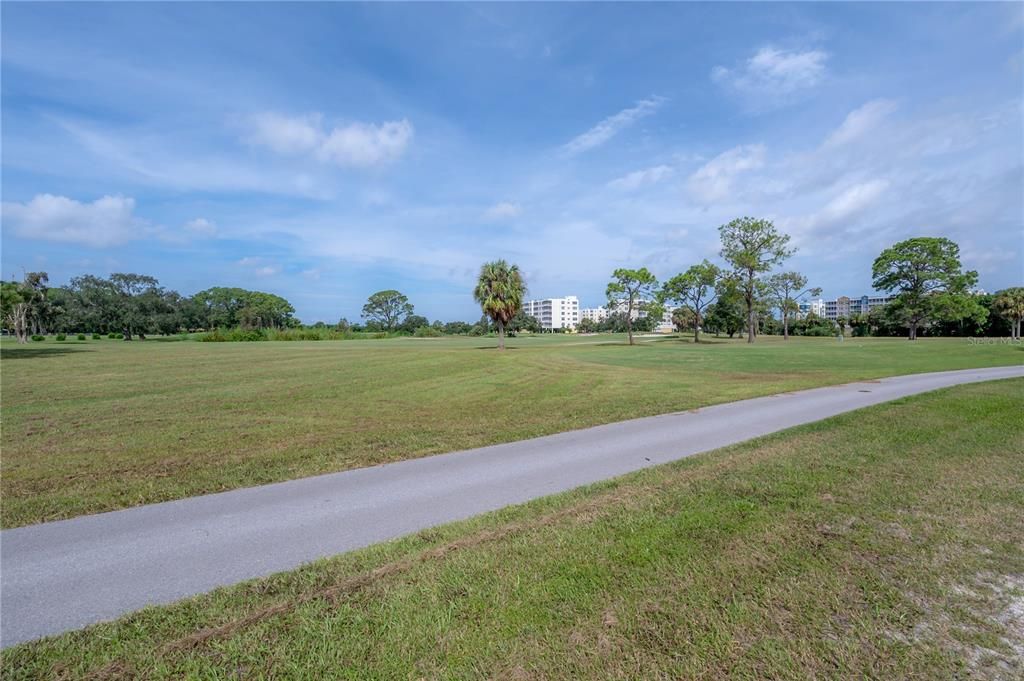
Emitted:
<point x="103" y="425"/>
<point x="884" y="543"/>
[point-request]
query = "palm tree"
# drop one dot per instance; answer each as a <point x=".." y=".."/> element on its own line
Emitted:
<point x="1009" y="304"/>
<point x="500" y="290"/>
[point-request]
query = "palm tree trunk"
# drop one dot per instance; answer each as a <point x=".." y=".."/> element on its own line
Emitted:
<point x="501" y="335"/>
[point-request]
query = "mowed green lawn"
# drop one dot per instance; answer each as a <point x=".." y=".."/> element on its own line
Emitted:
<point x="886" y="543"/>
<point x="100" y="425"/>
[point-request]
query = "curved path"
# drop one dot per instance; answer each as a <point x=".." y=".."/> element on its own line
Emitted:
<point x="63" y="575"/>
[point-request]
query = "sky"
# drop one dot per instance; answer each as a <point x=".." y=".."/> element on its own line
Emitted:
<point x="326" y="151"/>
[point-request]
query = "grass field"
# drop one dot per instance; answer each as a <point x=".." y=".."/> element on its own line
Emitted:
<point x="101" y="425"/>
<point x="885" y="543"/>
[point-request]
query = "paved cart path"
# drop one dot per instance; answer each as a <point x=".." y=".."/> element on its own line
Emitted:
<point x="63" y="575"/>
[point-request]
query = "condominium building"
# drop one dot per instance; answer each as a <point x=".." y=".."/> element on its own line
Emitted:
<point x="594" y="314"/>
<point x="843" y="306"/>
<point x="599" y="314"/>
<point x="554" y="313"/>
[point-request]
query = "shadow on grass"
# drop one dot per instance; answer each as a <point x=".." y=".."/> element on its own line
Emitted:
<point x="34" y="353"/>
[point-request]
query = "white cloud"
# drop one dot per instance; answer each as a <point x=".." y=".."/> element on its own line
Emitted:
<point x="613" y="125"/>
<point x="773" y="72"/>
<point x="107" y="221"/>
<point x="354" y="144"/>
<point x="861" y="121"/>
<point x="201" y="226"/>
<point x="852" y="201"/>
<point x="287" y="135"/>
<point x="504" y="210"/>
<point x="639" y="178"/>
<point x="259" y="266"/>
<point x="715" y="179"/>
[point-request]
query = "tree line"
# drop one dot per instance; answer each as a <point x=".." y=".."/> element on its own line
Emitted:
<point x="133" y="305"/>
<point x="931" y="292"/>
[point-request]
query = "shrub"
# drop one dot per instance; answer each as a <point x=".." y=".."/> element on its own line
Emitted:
<point x="233" y="335"/>
<point x="119" y="336"/>
<point x="81" y="336"/>
<point x="95" y="336"/>
<point x="426" y="332"/>
<point x="37" y="337"/>
<point x="61" y="337"/>
<point x="111" y="335"/>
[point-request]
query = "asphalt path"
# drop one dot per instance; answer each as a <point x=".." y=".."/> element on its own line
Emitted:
<point x="59" y="576"/>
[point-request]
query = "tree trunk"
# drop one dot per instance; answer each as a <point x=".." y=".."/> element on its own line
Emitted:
<point x="501" y="335"/>
<point x="750" y="321"/>
<point x="785" y="326"/>
<point x="913" y="331"/>
<point x="696" y="327"/>
<point x="629" y="321"/>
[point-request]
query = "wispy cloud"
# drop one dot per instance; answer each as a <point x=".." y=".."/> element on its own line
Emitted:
<point x="504" y="210"/>
<point x="772" y="73"/>
<point x="259" y="266"/>
<point x="201" y="226"/>
<point x="714" y="180"/>
<point x="612" y="126"/>
<point x="354" y="144"/>
<point x="639" y="178"/>
<point x="860" y="121"/>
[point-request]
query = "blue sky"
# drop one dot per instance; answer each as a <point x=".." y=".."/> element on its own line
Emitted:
<point x="326" y="151"/>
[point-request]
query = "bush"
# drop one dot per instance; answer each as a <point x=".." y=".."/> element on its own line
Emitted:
<point x="37" y="337"/>
<point x="233" y="336"/>
<point x="95" y="336"/>
<point x="81" y="336"/>
<point x="61" y="337"/>
<point x="119" y="336"/>
<point x="111" y="335"/>
<point x="426" y="332"/>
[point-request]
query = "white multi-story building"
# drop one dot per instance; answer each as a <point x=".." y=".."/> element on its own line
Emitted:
<point x="843" y="306"/>
<point x="595" y="314"/>
<point x="554" y="313"/>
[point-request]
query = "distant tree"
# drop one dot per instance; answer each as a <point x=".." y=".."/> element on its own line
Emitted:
<point x="693" y="290"/>
<point x="457" y="328"/>
<point x="413" y="322"/>
<point x="726" y="315"/>
<point x="134" y="297"/>
<point x="1009" y="304"/>
<point x="523" y="322"/>
<point x="632" y="287"/>
<point x="752" y="246"/>
<point x="387" y="308"/>
<point x="587" y="326"/>
<point x="787" y="288"/>
<point x="500" y="290"/>
<point x="861" y="324"/>
<point x="926" y="273"/>
<point x="343" y="326"/>
<point x="683" y="319"/>
<point x="14" y="309"/>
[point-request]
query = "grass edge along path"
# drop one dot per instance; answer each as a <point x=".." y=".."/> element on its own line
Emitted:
<point x="887" y="542"/>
